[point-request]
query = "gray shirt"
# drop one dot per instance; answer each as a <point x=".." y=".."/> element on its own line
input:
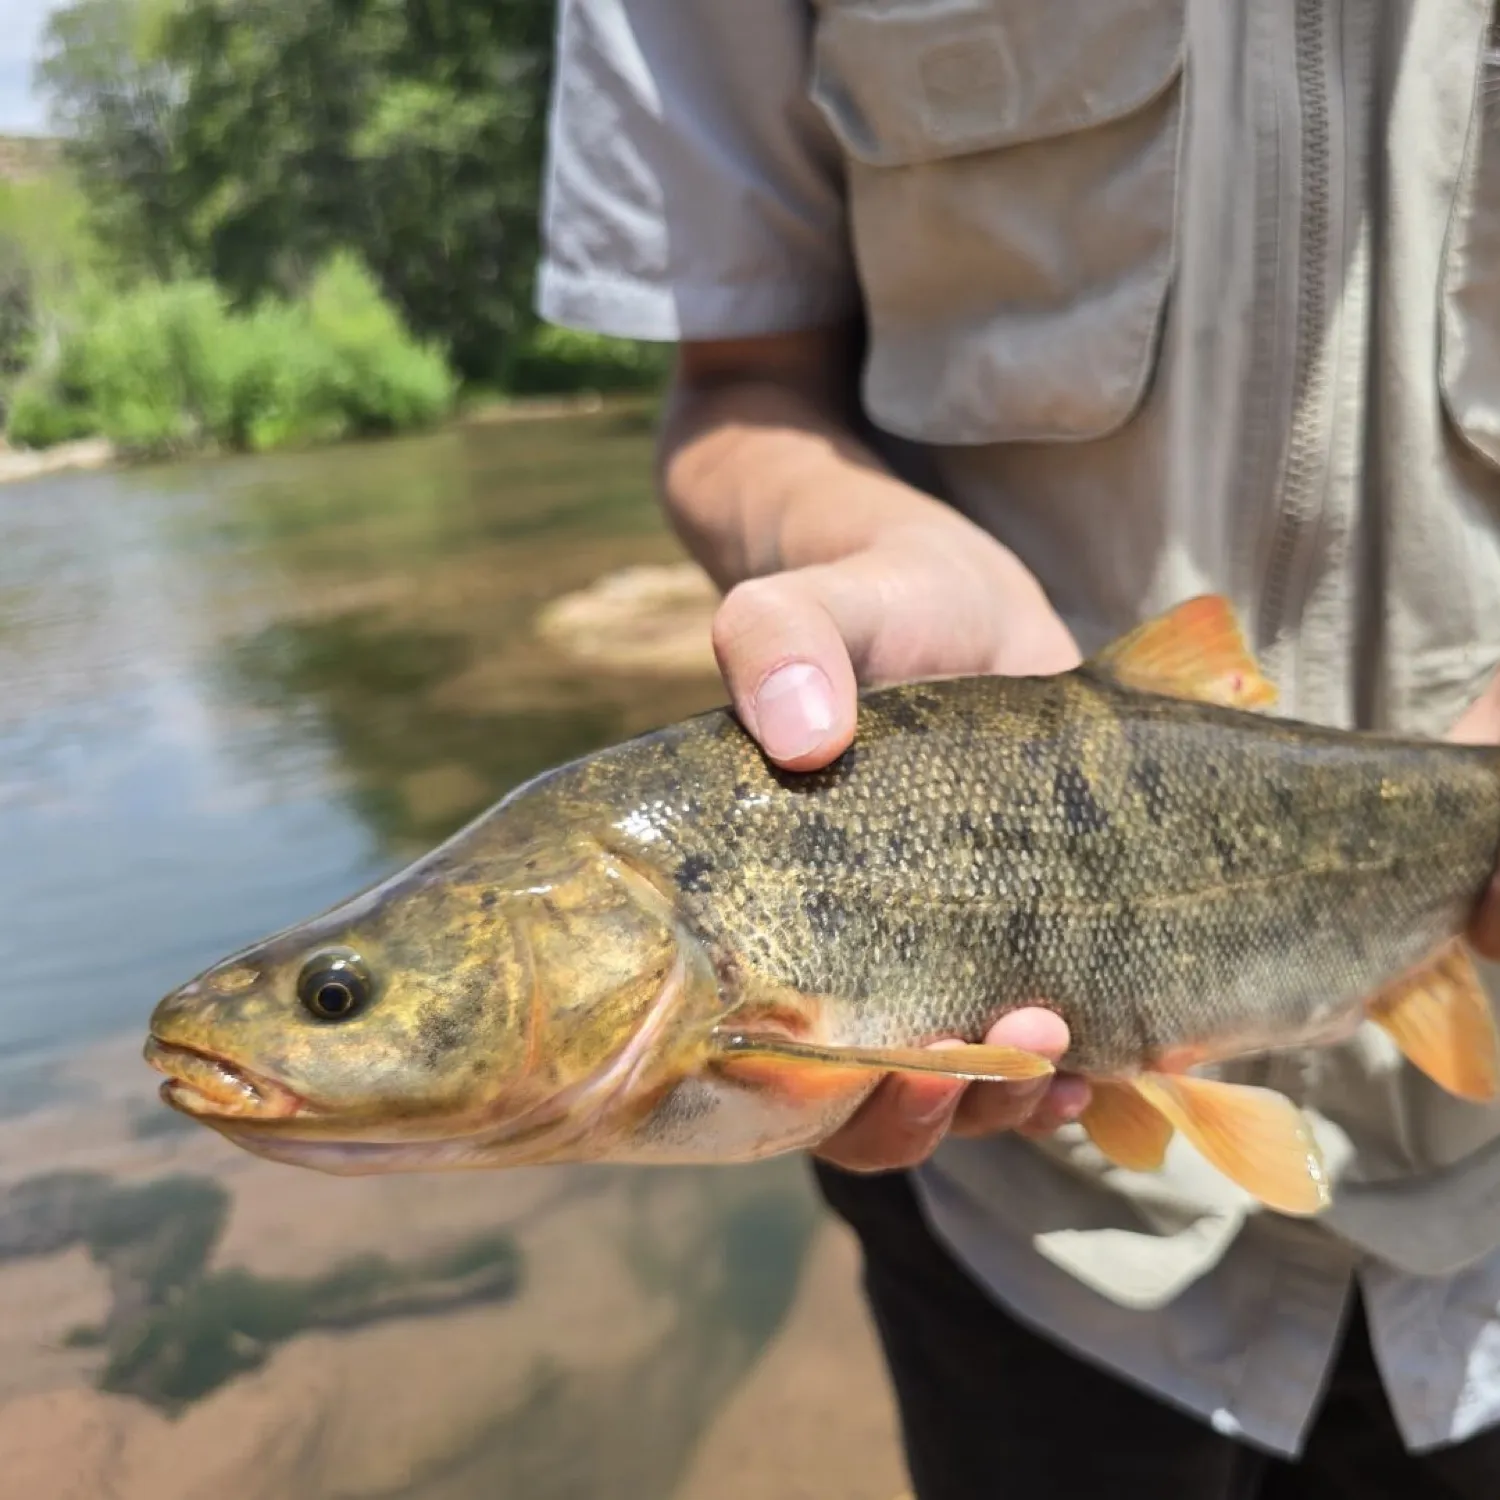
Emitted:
<point x="1171" y="296"/>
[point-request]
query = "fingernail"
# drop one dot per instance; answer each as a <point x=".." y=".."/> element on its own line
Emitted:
<point x="794" y="710"/>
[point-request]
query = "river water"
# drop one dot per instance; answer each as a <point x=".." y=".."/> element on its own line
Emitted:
<point x="232" y="692"/>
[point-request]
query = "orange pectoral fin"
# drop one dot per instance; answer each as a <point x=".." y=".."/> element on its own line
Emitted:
<point x="1195" y="651"/>
<point x="1441" y="1019"/>
<point x="1256" y="1138"/>
<point x="1131" y="1132"/>
<point x="988" y="1064"/>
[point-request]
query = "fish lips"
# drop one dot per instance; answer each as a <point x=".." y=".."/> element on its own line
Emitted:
<point x="211" y="1088"/>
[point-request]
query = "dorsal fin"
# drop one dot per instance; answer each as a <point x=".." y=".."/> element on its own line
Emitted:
<point x="1195" y="650"/>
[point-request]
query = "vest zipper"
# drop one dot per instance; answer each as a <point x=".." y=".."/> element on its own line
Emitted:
<point x="1301" y="499"/>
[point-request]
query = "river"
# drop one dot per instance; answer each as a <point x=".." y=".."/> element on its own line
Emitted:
<point x="232" y="692"/>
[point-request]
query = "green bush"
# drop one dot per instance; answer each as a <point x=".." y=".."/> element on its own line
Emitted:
<point x="169" y="367"/>
<point x="552" y="361"/>
<point x="17" y="309"/>
<point x="37" y="416"/>
<point x="385" y="379"/>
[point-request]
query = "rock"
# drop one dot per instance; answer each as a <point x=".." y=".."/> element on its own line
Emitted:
<point x="647" y="619"/>
<point x="26" y="463"/>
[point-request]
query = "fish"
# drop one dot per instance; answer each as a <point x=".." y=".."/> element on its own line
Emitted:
<point x="673" y="951"/>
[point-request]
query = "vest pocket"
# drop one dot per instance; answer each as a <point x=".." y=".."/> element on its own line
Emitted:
<point x="1012" y="176"/>
<point x="1469" y="334"/>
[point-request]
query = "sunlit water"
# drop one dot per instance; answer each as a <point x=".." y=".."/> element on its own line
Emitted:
<point x="230" y="694"/>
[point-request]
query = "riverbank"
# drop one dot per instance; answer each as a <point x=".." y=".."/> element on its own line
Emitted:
<point x="18" y="464"/>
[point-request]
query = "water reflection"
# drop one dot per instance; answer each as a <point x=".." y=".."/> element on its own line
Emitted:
<point x="175" y="1330"/>
<point x="418" y="767"/>
<point x="230" y="694"/>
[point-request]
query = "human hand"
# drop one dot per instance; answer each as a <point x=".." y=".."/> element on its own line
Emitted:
<point x="932" y="597"/>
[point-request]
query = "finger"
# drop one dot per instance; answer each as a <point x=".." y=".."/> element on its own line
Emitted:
<point x="1484" y="925"/>
<point x="782" y="646"/>
<point x="990" y="1107"/>
<point x="1479" y="724"/>
<point x="1062" y="1103"/>
<point x="899" y="1125"/>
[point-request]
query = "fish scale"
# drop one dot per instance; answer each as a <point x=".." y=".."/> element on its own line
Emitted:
<point x="1159" y="872"/>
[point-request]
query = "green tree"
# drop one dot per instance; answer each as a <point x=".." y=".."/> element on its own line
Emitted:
<point x="249" y="139"/>
<point x="114" y="95"/>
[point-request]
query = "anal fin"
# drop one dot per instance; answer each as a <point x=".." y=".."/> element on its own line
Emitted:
<point x="1131" y="1132"/>
<point x="976" y="1063"/>
<point x="1195" y="650"/>
<point x="1441" y="1019"/>
<point x="1255" y="1137"/>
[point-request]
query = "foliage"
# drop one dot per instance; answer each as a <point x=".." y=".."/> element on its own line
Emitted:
<point x="115" y="92"/>
<point x="38" y="416"/>
<point x="247" y="140"/>
<point x="46" y="258"/>
<point x="17" y="310"/>
<point x="281" y="223"/>
<point x="172" y="366"/>
<point x="557" y="361"/>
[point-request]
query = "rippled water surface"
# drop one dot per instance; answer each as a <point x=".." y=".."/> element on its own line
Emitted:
<point x="232" y="692"/>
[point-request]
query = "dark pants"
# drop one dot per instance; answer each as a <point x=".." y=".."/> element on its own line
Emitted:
<point x="988" y="1408"/>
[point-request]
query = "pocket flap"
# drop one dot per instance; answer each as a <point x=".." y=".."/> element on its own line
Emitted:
<point x="905" y="81"/>
<point x="1469" y="352"/>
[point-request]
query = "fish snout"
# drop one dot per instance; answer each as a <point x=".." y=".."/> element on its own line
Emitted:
<point x="210" y="1087"/>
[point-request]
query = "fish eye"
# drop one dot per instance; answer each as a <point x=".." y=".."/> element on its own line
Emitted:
<point x="333" y="986"/>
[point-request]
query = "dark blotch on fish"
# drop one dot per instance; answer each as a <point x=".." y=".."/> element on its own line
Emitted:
<point x="815" y="840"/>
<point x="1225" y="848"/>
<point x="1023" y="932"/>
<point x="693" y="873"/>
<point x="908" y="941"/>
<point x="1081" y="812"/>
<point x="1448" y="804"/>
<point x="1012" y="835"/>
<point x="903" y="714"/>
<point x="1150" y="779"/>
<point x="826" y="916"/>
<point x="445" y="1030"/>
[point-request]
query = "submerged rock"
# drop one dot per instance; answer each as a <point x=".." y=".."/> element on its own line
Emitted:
<point x="651" y="619"/>
<point x="28" y="463"/>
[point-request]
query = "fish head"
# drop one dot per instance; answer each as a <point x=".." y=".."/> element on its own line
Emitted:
<point x="479" y="1010"/>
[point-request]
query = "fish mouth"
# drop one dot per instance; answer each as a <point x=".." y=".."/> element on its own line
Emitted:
<point x="213" y="1088"/>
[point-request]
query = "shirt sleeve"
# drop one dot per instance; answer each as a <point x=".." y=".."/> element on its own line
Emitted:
<point x="692" y="190"/>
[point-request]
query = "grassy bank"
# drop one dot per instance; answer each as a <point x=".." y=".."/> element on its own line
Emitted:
<point x="172" y="367"/>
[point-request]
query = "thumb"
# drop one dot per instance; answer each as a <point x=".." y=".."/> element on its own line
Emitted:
<point x="784" y="647"/>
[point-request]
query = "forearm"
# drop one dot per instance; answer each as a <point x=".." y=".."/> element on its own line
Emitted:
<point x="760" y="467"/>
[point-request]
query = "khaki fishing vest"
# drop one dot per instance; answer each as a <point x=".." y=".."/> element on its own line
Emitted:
<point x="1187" y="295"/>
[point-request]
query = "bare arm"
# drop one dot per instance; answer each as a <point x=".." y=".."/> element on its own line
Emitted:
<point x="838" y="573"/>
